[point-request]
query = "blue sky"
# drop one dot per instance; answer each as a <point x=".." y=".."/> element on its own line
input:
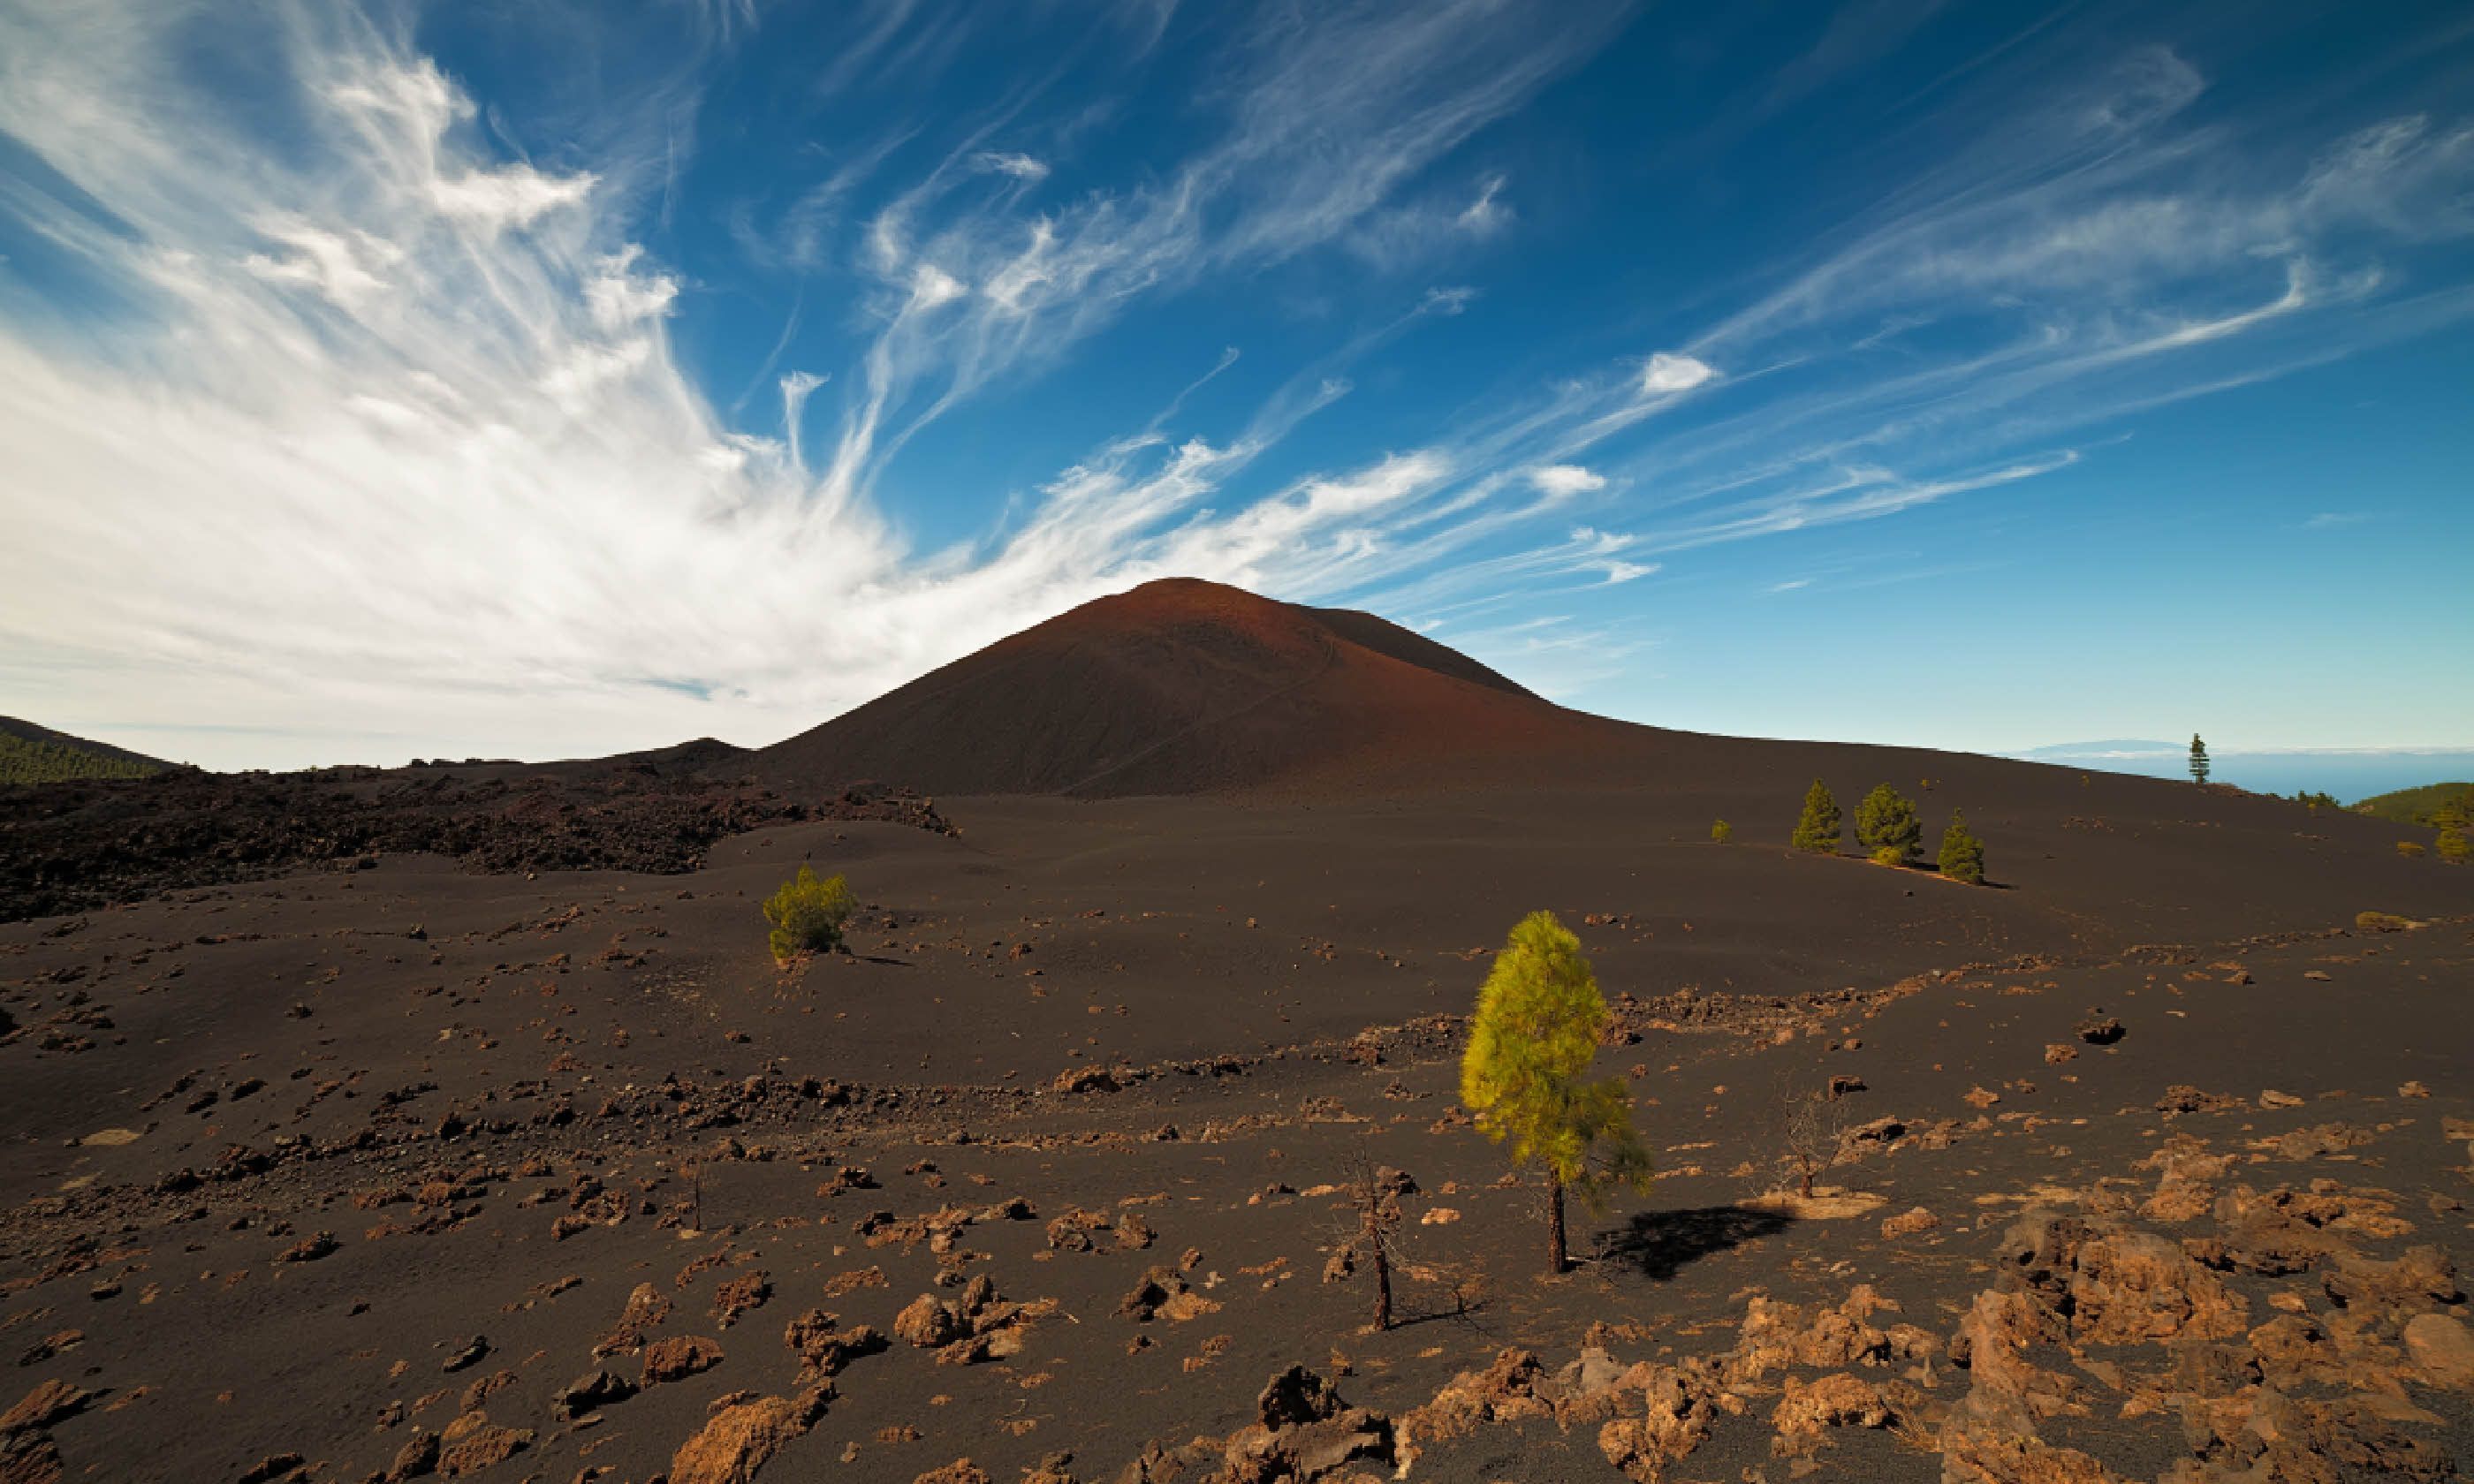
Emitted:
<point x="539" y="380"/>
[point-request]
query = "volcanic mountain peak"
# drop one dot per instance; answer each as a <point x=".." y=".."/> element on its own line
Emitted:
<point x="1182" y="686"/>
<point x="1227" y="619"/>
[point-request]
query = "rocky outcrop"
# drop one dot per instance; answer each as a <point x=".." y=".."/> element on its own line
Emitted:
<point x="824" y="1347"/>
<point x="981" y="1325"/>
<point x="743" y="1437"/>
<point x="1679" y="1409"/>
<point x="928" y="1321"/>
<point x="590" y="1392"/>
<point x="678" y="1357"/>
<point x="1163" y="1293"/>
<point x="482" y="1448"/>
<point x="1303" y="1432"/>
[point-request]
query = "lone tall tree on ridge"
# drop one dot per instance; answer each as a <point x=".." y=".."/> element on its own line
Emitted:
<point x="1539" y="1019"/>
<point x="2198" y="759"/>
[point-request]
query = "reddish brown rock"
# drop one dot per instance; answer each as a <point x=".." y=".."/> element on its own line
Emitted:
<point x="417" y="1459"/>
<point x="824" y="1347"/>
<point x="645" y="1308"/>
<point x="1993" y="1455"/>
<point x="1840" y="1400"/>
<point x="482" y="1449"/>
<point x="738" y="1295"/>
<point x="1506" y="1391"/>
<point x="1304" y="1430"/>
<point x="47" y="1403"/>
<point x="929" y="1321"/>
<point x="590" y="1392"/>
<point x="1910" y="1223"/>
<point x="2441" y="1348"/>
<point x="2135" y="1287"/>
<point x="1677" y="1417"/>
<point x="744" y="1438"/>
<point x="677" y="1356"/>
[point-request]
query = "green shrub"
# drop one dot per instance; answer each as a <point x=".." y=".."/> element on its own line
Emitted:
<point x="1721" y="833"/>
<point x="1963" y="854"/>
<point x="2453" y="846"/>
<point x="2382" y="921"/>
<point x="2410" y="849"/>
<point x="1887" y="827"/>
<point x="807" y="915"/>
<point x="1818" y="828"/>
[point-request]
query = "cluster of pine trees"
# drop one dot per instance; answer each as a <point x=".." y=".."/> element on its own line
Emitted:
<point x="25" y="760"/>
<point x="2454" y="818"/>
<point x="1890" y="831"/>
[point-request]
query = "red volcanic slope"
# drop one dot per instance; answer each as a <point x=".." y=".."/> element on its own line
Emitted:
<point x="1184" y="686"/>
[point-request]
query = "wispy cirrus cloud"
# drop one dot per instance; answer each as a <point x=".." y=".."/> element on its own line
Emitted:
<point x="416" y="405"/>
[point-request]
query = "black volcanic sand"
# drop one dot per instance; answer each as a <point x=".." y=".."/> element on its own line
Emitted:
<point x="512" y="1101"/>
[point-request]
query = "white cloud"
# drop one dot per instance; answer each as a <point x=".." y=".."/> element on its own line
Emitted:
<point x="1668" y="374"/>
<point x="1563" y="481"/>
<point x="346" y="269"/>
<point x="1487" y="215"/>
<point x="1022" y="167"/>
<point x="512" y="197"/>
<point x="619" y="295"/>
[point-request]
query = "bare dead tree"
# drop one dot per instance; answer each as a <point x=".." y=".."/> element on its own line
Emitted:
<point x="1811" y="1127"/>
<point x="1374" y="1207"/>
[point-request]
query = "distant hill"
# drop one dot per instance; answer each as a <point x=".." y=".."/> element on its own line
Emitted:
<point x="1183" y="686"/>
<point x="37" y="754"/>
<point x="2418" y="806"/>
<point x="2347" y="773"/>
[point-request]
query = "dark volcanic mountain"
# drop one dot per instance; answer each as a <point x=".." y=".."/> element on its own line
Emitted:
<point x="1184" y="686"/>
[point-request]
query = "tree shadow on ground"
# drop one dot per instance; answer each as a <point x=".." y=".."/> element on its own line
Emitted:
<point x="1461" y="1311"/>
<point x="1660" y="1244"/>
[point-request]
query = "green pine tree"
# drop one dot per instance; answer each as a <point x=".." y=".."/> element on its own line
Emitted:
<point x="2453" y="846"/>
<point x="1818" y="830"/>
<point x="2198" y="759"/>
<point x="1963" y="854"/>
<point x="807" y="915"/>
<point x="1721" y="833"/>
<point x="1887" y="827"/>
<point x="1539" y="1019"/>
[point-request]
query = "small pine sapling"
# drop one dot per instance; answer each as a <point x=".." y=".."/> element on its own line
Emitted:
<point x="807" y="915"/>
